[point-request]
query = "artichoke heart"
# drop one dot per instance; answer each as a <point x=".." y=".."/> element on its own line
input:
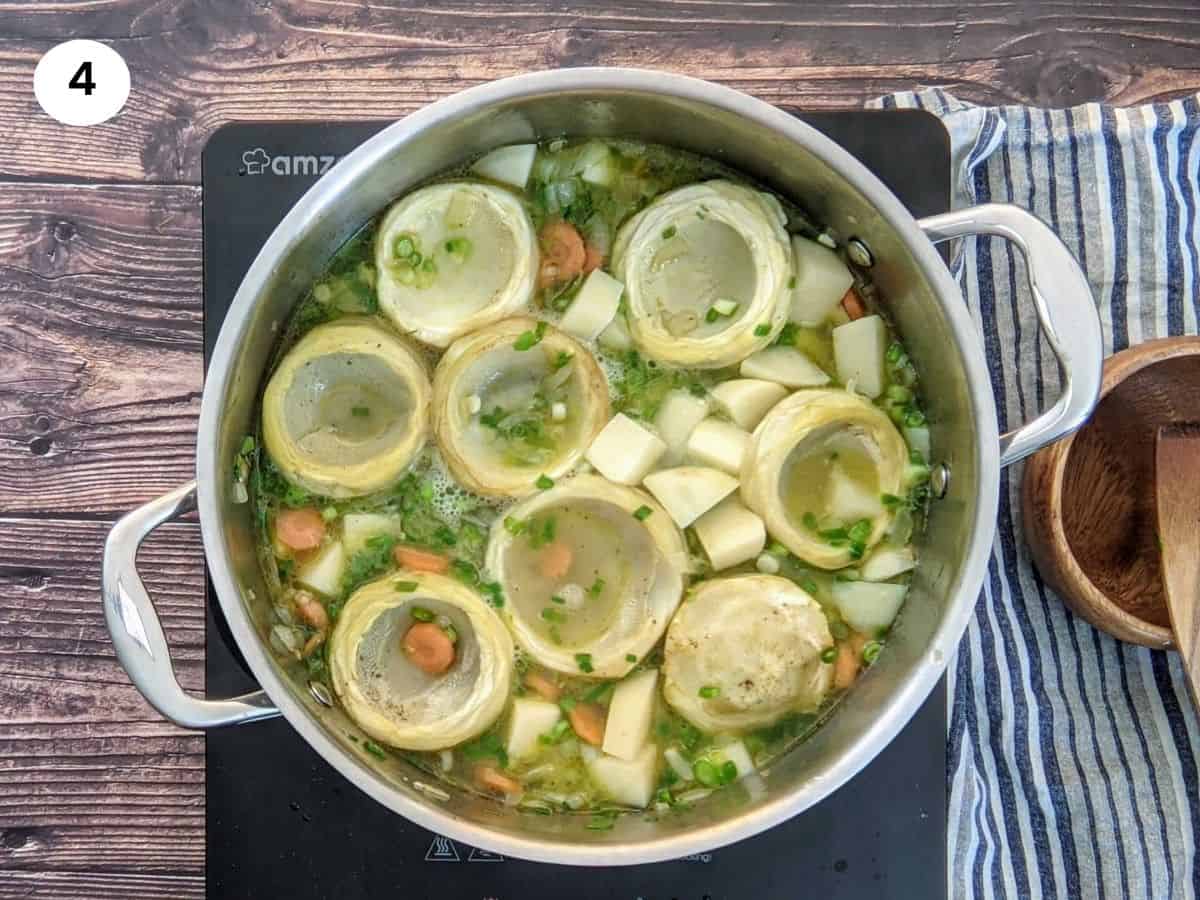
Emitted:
<point x="454" y="257"/>
<point x="592" y="572"/>
<point x="817" y="469"/>
<point x="515" y="401"/>
<point x="706" y="270"/>
<point x="395" y="701"/>
<point x="744" y="652"/>
<point x="347" y="409"/>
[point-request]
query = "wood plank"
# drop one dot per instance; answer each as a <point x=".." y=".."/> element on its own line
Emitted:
<point x="202" y="65"/>
<point x="90" y="776"/>
<point x="101" y="337"/>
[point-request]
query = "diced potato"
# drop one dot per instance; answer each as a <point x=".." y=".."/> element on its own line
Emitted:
<point x="358" y="528"/>
<point x="918" y="439"/>
<point x="679" y="414"/>
<point x="736" y="753"/>
<point x="508" y="165"/>
<point x="868" y="606"/>
<point x="616" y="336"/>
<point x="323" y="573"/>
<point x="730" y="534"/>
<point x="718" y="444"/>
<point x="596" y="164"/>
<point x="822" y="279"/>
<point x="530" y="719"/>
<point x="688" y="492"/>
<point x="627" y="781"/>
<point x="887" y="562"/>
<point x="859" y="348"/>
<point x="785" y="365"/>
<point x="594" y="306"/>
<point x="847" y="499"/>
<point x="747" y="400"/>
<point x="624" y="451"/>
<point x="629" y="715"/>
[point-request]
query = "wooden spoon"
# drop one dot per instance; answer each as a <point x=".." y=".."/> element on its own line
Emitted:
<point x="1177" y="488"/>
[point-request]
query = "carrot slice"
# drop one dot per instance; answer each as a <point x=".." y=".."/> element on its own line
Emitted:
<point x="592" y="258"/>
<point x="493" y="779"/>
<point x="421" y="560"/>
<point x="849" y="660"/>
<point x="563" y="253"/>
<point x="555" y="560"/>
<point x="542" y="686"/>
<point x="429" y="648"/>
<point x="300" y="529"/>
<point x="853" y="305"/>
<point x="587" y="720"/>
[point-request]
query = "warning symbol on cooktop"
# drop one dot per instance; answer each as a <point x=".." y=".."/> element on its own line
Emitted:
<point x="478" y="855"/>
<point x="442" y="850"/>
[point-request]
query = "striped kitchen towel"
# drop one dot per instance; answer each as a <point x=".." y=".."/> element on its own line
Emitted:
<point x="1072" y="757"/>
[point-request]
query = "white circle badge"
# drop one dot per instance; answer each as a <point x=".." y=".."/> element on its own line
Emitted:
<point x="81" y="82"/>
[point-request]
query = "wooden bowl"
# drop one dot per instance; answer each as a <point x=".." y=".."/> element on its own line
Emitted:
<point x="1089" y="507"/>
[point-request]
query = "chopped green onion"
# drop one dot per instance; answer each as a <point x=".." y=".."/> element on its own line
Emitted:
<point x="404" y="246"/>
<point x="894" y="352"/>
<point x="566" y="704"/>
<point x="459" y="247"/>
<point x="630" y="658"/>
<point x="421" y="614"/>
<point x="709" y="691"/>
<point x="329" y="513"/>
<point x="706" y="773"/>
<point x="870" y="651"/>
<point x="374" y="749"/>
<point x="360" y="412"/>
<point x="553" y="615"/>
<point x="544" y="482"/>
<point x="557" y="599"/>
<point x="668" y="232"/>
<point x="515" y="526"/>
<point x="602" y="821"/>
<point x="600" y="692"/>
<point x="597" y="587"/>
<point x="891" y="500"/>
<point x="248" y="444"/>
<point x="405" y="587"/>
<point x="584" y="660"/>
<point x="494" y="593"/>
<point x="642" y="513"/>
<point x="562" y="359"/>
<point x="464" y="571"/>
<point x="792" y="283"/>
<point x="712" y="315"/>
<point x="810" y="521"/>
<point x="898" y="393"/>
<point x="451" y="632"/>
<point x="828" y="655"/>
<point x="916" y="457"/>
<point x="528" y="339"/>
<point x="728" y="772"/>
<point x="860" y="530"/>
<point x="777" y="549"/>
<point x="914" y="418"/>
<point x="762" y="330"/>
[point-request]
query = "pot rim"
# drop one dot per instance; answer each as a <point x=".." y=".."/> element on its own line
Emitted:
<point x="910" y="695"/>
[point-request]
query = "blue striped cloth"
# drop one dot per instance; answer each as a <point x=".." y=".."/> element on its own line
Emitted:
<point x="1071" y="756"/>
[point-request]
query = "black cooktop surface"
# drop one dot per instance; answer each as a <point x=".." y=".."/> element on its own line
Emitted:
<point x="282" y="824"/>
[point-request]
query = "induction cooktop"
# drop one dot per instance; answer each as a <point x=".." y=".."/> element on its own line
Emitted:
<point x="281" y="823"/>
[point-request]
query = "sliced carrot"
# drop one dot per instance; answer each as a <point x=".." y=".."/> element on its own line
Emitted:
<point x="849" y="660"/>
<point x="429" y="648"/>
<point x="542" y="686"/>
<point x="563" y="253"/>
<point x="853" y="305"/>
<point x="587" y="720"/>
<point x="555" y="560"/>
<point x="493" y="779"/>
<point x="300" y="529"/>
<point x="311" y="610"/>
<point x="419" y="560"/>
<point x="592" y="258"/>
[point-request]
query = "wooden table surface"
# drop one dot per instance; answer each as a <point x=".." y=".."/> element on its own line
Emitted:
<point x="100" y="316"/>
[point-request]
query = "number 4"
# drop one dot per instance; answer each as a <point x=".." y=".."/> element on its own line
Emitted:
<point x="82" y="79"/>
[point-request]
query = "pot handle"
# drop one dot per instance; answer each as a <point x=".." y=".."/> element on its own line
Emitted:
<point x="1065" y="309"/>
<point x="137" y="633"/>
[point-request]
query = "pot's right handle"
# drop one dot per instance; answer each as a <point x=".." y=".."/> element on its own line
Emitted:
<point x="137" y="634"/>
<point x="1065" y="309"/>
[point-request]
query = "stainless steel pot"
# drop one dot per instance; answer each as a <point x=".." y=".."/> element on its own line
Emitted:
<point x="785" y="154"/>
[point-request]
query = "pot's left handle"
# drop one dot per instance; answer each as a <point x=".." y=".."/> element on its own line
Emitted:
<point x="137" y="634"/>
<point x="1065" y="309"/>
